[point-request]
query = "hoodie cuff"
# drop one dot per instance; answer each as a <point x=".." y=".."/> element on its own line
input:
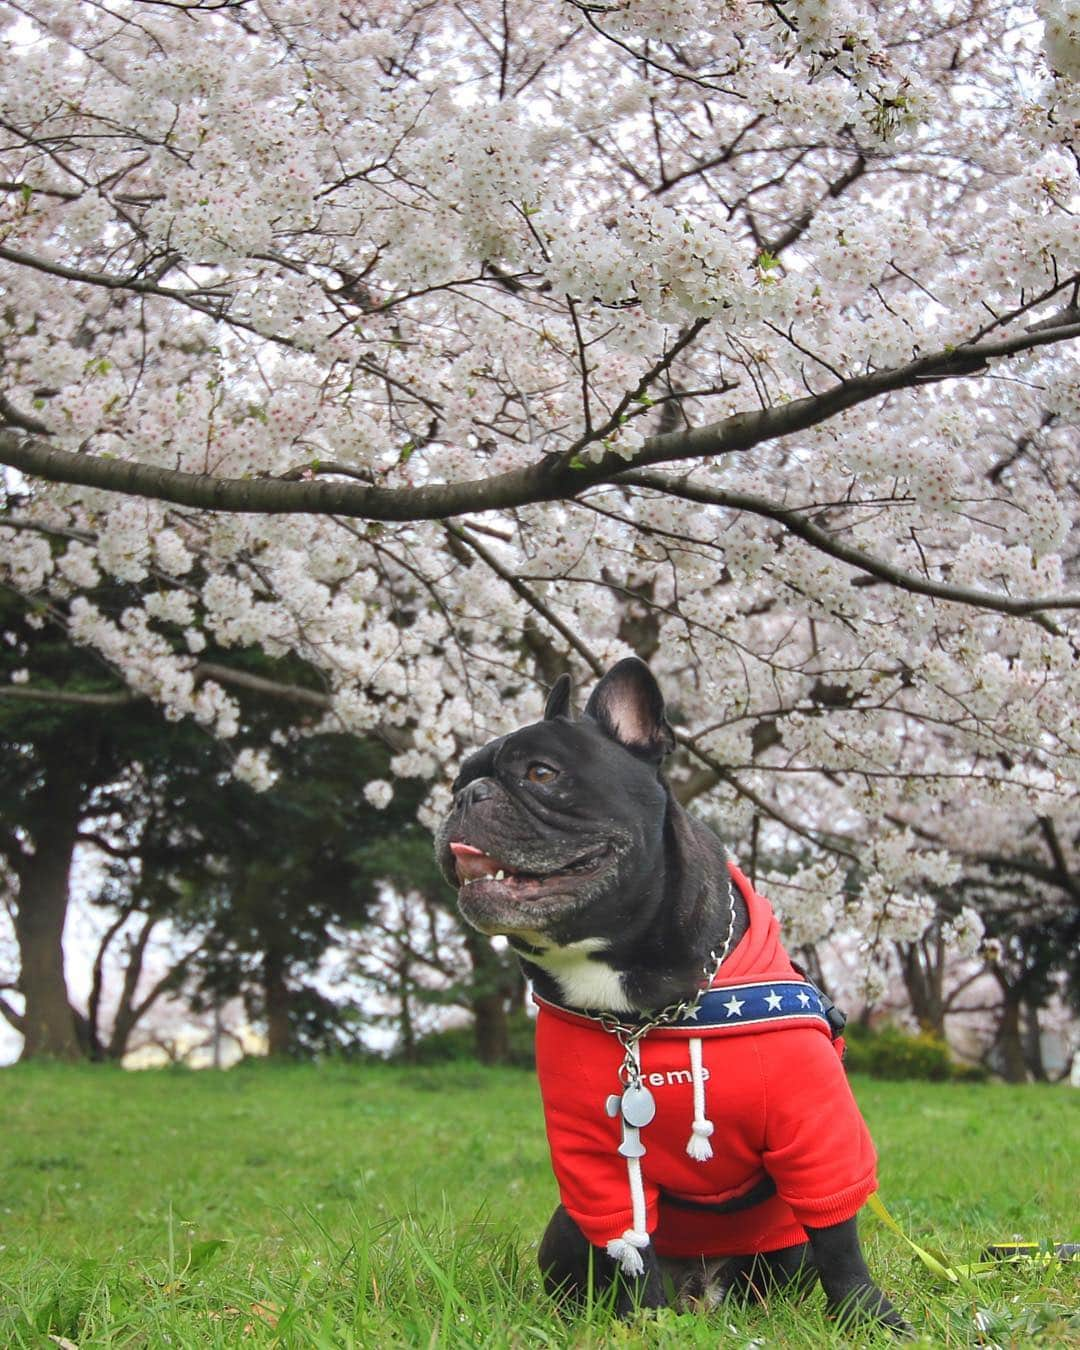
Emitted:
<point x="835" y="1208"/>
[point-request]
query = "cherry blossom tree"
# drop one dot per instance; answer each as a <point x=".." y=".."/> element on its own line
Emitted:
<point x="446" y="344"/>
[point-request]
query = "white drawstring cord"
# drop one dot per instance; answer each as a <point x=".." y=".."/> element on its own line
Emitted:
<point x="698" y="1145"/>
<point x="627" y="1249"/>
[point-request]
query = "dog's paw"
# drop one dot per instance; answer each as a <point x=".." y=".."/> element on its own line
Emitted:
<point x="867" y="1303"/>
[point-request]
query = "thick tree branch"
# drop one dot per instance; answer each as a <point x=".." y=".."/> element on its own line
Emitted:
<point x="259" y="684"/>
<point x="1053" y="843"/>
<point x="106" y="846"/>
<point x="813" y="534"/>
<point x="556" y="477"/>
<point x="17" y="418"/>
<point x="13" y="1018"/>
<point x="26" y="693"/>
<point x="204" y="670"/>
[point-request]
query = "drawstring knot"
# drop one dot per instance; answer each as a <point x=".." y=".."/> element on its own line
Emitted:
<point x="626" y="1250"/>
<point x="698" y="1145"/>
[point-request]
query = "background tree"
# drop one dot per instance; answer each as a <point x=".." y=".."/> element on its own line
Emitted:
<point x="1033" y="954"/>
<point x="284" y="870"/>
<point x="746" y="328"/>
<point x="182" y="839"/>
<point x="417" y="960"/>
<point x="60" y="757"/>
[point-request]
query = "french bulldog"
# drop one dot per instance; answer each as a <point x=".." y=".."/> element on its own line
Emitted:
<point x="624" y="909"/>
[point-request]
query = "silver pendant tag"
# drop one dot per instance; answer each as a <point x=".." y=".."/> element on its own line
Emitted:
<point x="638" y="1106"/>
<point x="631" y="1146"/>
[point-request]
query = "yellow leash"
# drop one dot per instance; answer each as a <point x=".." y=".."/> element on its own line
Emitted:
<point x="939" y="1265"/>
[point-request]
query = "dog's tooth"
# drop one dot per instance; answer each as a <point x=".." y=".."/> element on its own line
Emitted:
<point x="500" y="876"/>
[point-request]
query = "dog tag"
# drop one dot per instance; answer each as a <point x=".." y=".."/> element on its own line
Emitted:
<point x="631" y="1146"/>
<point x="638" y="1106"/>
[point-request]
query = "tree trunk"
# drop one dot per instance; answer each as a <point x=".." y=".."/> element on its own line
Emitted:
<point x="127" y="1014"/>
<point x="922" y="965"/>
<point x="406" y="1029"/>
<point x="49" y="1029"/>
<point x="1033" y="1056"/>
<point x="276" y="998"/>
<point x="491" y="1030"/>
<point x="1010" y="1041"/>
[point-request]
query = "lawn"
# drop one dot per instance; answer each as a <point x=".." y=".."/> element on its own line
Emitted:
<point x="335" y="1206"/>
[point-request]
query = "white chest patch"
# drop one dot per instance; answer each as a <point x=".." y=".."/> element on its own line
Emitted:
<point x="584" y="982"/>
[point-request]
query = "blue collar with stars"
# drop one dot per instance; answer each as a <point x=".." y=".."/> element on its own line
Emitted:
<point x="736" y="1007"/>
<point x="745" y="1005"/>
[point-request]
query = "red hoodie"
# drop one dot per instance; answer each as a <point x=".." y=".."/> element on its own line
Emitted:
<point x="777" y="1093"/>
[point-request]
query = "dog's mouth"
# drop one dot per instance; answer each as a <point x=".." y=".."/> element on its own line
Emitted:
<point x="499" y="881"/>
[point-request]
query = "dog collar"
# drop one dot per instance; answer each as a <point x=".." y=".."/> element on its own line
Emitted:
<point x="730" y="1008"/>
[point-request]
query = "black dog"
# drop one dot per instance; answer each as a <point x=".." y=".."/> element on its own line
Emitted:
<point x="665" y="997"/>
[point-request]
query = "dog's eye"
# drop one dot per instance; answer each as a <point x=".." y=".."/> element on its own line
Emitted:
<point x="541" y="773"/>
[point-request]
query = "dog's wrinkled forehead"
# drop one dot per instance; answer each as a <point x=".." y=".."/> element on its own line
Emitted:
<point x="480" y="764"/>
<point x="621" y="738"/>
<point x="557" y="738"/>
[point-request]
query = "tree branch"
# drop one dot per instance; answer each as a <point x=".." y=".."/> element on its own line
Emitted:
<point x="93" y="1009"/>
<point x="828" y="543"/>
<point x="13" y="1018"/>
<point x="821" y="838"/>
<point x="259" y="684"/>
<point x="28" y="694"/>
<point x="837" y="188"/>
<point x="169" y="980"/>
<point x="99" y="841"/>
<point x="556" y="477"/>
<point x="204" y="670"/>
<point x="530" y="597"/>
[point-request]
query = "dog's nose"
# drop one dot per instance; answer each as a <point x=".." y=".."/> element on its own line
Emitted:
<point x="477" y="791"/>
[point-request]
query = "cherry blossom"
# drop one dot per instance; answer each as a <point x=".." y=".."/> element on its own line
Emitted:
<point x="445" y="346"/>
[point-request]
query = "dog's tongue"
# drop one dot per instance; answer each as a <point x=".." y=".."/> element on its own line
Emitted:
<point x="473" y="863"/>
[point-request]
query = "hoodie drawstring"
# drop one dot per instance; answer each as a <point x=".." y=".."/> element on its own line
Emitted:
<point x="698" y="1145"/>
<point x="627" y="1249"/>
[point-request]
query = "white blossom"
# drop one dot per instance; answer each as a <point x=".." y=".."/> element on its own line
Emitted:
<point x="253" y="767"/>
<point x="379" y="793"/>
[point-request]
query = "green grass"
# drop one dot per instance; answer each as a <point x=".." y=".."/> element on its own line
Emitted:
<point x="381" y="1207"/>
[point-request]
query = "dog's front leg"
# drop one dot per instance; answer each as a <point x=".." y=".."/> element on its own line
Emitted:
<point x="573" y="1268"/>
<point x="849" y="1289"/>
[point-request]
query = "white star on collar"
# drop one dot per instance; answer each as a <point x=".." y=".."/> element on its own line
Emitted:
<point x="773" y="1001"/>
<point x="804" y="999"/>
<point x="734" y="1006"/>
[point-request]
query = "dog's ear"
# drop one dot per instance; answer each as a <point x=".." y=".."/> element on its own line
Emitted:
<point x="629" y="707"/>
<point x="558" y="701"/>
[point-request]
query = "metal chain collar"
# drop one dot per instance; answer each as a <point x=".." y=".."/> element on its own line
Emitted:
<point x="629" y="1037"/>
